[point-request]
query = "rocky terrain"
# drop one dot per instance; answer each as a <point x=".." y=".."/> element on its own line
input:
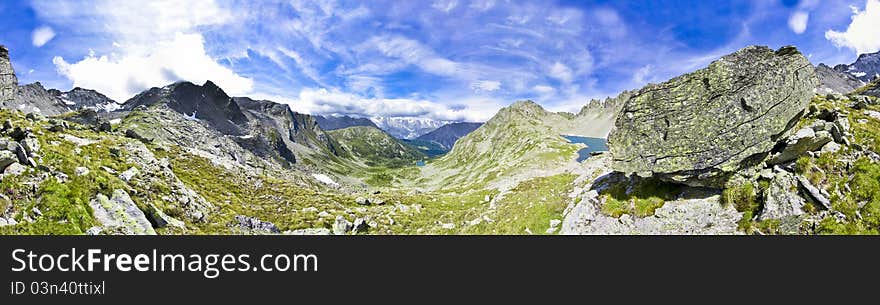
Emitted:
<point x="834" y="81"/>
<point x="743" y="146"/>
<point x="865" y="68"/>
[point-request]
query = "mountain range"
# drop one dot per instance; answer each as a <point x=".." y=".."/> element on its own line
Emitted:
<point x="743" y="146"/>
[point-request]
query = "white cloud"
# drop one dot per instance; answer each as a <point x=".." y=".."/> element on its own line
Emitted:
<point x="643" y="75"/>
<point x="543" y="89"/>
<point x="561" y="72"/>
<point x="445" y="5"/>
<point x="153" y="43"/>
<point x="486" y="85"/>
<point x="120" y="77"/>
<point x="42" y="35"/>
<point x="797" y="22"/>
<point x="334" y="101"/>
<point x="482" y="5"/>
<point x="863" y="33"/>
<point x="413" y="52"/>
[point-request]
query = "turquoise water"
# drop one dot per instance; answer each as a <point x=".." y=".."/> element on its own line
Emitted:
<point x="593" y="144"/>
<point x="420" y="163"/>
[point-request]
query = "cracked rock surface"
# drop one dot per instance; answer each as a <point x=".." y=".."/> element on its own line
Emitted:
<point x="698" y="128"/>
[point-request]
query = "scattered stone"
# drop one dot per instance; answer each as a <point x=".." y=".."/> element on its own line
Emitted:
<point x="119" y="214"/>
<point x="129" y="174"/>
<point x="129" y="133"/>
<point x="310" y="210"/>
<point x="31" y="146"/>
<point x="831" y="147"/>
<point x="805" y="140"/>
<point x="873" y="114"/>
<point x="475" y="221"/>
<point x="94" y="231"/>
<point x="37" y="211"/>
<point x="447" y="226"/>
<point x="160" y="219"/>
<point x="7" y="158"/>
<point x="767" y="174"/>
<point x="360" y="225"/>
<point x="377" y="201"/>
<point x="813" y="193"/>
<point x="324" y="214"/>
<point x="104" y="127"/>
<point x="555" y="223"/>
<point x="699" y="128"/>
<point x="81" y="171"/>
<point x="57" y="125"/>
<point x="362" y="201"/>
<point x="256" y="226"/>
<point x="342" y="226"/>
<point x="780" y="201"/>
<point x="309" y="231"/>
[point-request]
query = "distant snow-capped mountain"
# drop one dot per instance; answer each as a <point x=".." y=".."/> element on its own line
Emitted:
<point x="407" y="127"/>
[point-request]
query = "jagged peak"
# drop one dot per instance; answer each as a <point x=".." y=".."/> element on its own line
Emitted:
<point x="868" y="55"/>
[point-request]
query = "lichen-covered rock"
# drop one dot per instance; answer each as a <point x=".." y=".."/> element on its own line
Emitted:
<point x="700" y="127"/>
<point x="697" y="216"/>
<point x="804" y="140"/>
<point x="8" y="81"/>
<point x="781" y="198"/>
<point x="119" y="214"/>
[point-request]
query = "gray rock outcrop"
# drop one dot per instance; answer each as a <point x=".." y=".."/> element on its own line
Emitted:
<point x="699" y="128"/>
<point x="256" y="226"/>
<point x="833" y="81"/>
<point x="8" y="81"/>
<point x="781" y="198"/>
<point x="118" y="214"/>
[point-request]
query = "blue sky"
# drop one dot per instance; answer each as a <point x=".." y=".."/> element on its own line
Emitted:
<point x="445" y="59"/>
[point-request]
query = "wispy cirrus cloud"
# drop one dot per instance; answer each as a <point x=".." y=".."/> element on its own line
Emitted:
<point x="447" y="58"/>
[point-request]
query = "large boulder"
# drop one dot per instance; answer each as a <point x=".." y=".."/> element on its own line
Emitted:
<point x="699" y="128"/>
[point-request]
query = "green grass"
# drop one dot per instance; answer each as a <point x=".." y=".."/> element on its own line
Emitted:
<point x="644" y="197"/>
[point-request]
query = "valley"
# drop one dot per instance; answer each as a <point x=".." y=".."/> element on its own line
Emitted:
<point x="747" y="145"/>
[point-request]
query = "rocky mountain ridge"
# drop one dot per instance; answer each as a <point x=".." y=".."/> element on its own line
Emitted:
<point x="331" y="122"/>
<point x="448" y="134"/>
<point x="189" y="159"/>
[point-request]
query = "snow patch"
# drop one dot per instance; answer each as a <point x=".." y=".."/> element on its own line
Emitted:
<point x="324" y="179"/>
<point x="109" y="107"/>
<point x="115" y="121"/>
<point x="191" y="117"/>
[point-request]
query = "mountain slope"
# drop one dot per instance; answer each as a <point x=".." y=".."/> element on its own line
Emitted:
<point x="865" y="68"/>
<point x="375" y="147"/>
<point x="206" y="103"/>
<point x="339" y="122"/>
<point x="34" y="98"/>
<point x="447" y="134"/>
<point x="80" y="98"/>
<point x="521" y="141"/>
<point x="833" y="81"/>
